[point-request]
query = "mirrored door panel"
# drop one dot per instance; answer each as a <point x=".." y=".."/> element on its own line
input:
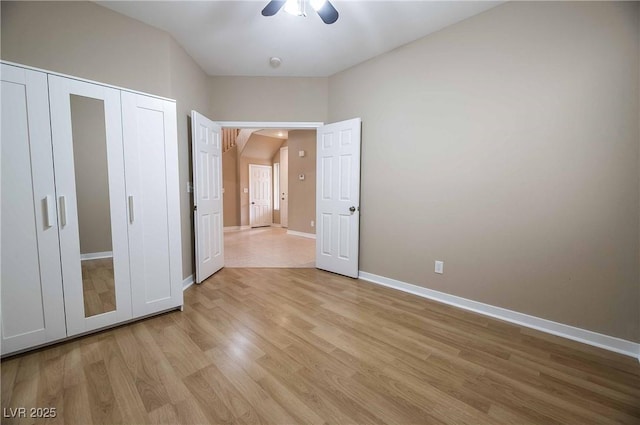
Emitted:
<point x="90" y="164"/>
<point x="88" y="153"/>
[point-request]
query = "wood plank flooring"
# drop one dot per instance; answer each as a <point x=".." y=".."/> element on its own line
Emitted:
<point x="301" y="346"/>
<point x="98" y="286"/>
<point x="268" y="247"/>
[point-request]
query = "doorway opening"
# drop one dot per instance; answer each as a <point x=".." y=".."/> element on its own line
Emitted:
<point x="269" y="194"/>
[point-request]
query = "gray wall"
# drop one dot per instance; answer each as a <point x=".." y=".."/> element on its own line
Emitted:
<point x="507" y="146"/>
<point x="90" y="41"/>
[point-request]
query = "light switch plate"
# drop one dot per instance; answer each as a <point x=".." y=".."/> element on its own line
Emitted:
<point x="439" y="267"/>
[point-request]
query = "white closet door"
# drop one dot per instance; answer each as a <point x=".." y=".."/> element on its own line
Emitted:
<point x="151" y="164"/>
<point x="32" y="309"/>
<point x="72" y="188"/>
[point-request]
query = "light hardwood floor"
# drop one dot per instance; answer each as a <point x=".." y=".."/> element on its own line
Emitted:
<point x="268" y="247"/>
<point x="302" y="346"/>
<point x="98" y="286"/>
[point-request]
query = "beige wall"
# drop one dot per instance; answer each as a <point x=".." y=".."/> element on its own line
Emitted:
<point x="276" y="160"/>
<point x="519" y="132"/>
<point x="259" y="146"/>
<point x="231" y="196"/>
<point x="188" y="87"/>
<point x="90" y="41"/>
<point x="302" y="193"/>
<point x="86" y="40"/>
<point x="507" y="146"/>
<point x="268" y="99"/>
<point x="91" y="174"/>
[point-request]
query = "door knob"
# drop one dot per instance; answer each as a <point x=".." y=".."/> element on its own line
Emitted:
<point x="352" y="209"/>
<point x="253" y="203"/>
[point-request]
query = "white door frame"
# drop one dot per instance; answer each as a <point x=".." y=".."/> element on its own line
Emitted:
<point x="293" y="125"/>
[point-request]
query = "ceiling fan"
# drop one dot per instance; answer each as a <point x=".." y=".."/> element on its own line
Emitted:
<point x="324" y="8"/>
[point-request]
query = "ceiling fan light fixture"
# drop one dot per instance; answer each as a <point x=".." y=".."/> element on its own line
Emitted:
<point x="317" y="4"/>
<point x="295" y="7"/>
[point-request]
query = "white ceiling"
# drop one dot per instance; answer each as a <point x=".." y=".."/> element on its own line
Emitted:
<point x="275" y="133"/>
<point x="233" y="38"/>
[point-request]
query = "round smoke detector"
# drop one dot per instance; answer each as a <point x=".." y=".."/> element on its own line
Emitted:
<point x="275" y="62"/>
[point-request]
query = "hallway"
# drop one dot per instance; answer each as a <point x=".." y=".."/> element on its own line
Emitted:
<point x="268" y="247"/>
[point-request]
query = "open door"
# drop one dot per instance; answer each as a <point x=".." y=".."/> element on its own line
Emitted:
<point x="338" y="197"/>
<point x="207" y="195"/>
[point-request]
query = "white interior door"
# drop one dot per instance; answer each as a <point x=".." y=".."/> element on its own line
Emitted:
<point x="260" y="198"/>
<point x="31" y="308"/>
<point x="338" y="197"/>
<point x="207" y="195"/>
<point x="151" y="151"/>
<point x="284" y="187"/>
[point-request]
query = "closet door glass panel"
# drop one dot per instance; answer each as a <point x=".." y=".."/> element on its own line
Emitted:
<point x="89" y="167"/>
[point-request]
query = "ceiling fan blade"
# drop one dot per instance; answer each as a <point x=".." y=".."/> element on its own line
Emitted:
<point x="273" y="7"/>
<point x="328" y="13"/>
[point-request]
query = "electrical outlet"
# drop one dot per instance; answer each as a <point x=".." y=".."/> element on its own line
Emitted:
<point x="313" y="223"/>
<point x="439" y="267"/>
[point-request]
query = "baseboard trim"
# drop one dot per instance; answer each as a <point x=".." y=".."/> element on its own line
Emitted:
<point x="235" y="228"/>
<point x="96" y="255"/>
<point x="187" y="282"/>
<point x="606" y="342"/>
<point x="304" y="235"/>
<point x="276" y="225"/>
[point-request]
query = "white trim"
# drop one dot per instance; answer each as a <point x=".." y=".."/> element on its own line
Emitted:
<point x="276" y="225"/>
<point x="96" y="255"/>
<point x="72" y="77"/>
<point x="246" y="227"/>
<point x="293" y="125"/>
<point x="304" y="235"/>
<point x="606" y="342"/>
<point x="187" y="282"/>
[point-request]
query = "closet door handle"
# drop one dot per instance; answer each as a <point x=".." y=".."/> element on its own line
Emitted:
<point x="49" y="215"/>
<point x="131" y="209"/>
<point x="63" y="211"/>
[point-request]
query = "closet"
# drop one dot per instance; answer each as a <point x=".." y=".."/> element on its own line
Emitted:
<point x="90" y="227"/>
